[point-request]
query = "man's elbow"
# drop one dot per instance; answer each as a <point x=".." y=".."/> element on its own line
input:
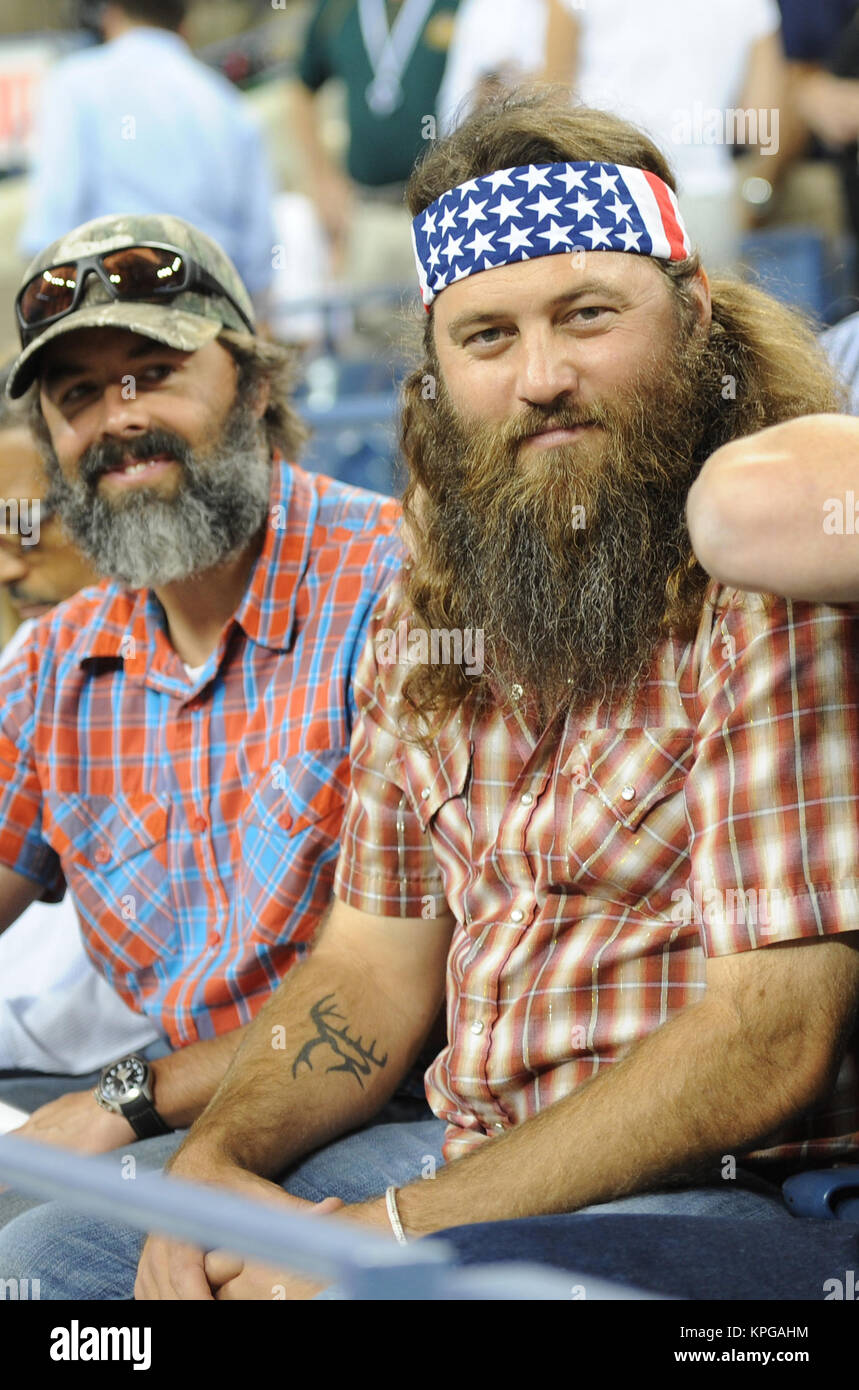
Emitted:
<point x="802" y="1070"/>
<point x="725" y="522"/>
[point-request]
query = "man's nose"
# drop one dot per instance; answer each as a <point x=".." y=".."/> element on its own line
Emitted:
<point x="122" y="412"/>
<point x="547" y="368"/>
<point x="13" y="565"/>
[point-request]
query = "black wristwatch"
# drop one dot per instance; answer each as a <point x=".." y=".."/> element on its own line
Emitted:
<point x="125" y="1088"/>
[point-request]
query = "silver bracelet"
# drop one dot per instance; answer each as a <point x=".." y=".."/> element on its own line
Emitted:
<point x="394" y="1215"/>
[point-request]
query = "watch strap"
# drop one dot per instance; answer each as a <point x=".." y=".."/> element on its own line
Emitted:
<point x="144" y="1118"/>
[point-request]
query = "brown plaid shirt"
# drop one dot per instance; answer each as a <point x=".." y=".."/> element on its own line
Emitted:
<point x="594" y="869"/>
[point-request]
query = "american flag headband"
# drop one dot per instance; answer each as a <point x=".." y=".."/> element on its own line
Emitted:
<point x="545" y="210"/>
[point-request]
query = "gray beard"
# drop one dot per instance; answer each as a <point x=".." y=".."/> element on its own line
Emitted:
<point x="145" y="540"/>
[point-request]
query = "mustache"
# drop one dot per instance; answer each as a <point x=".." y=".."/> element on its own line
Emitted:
<point x="109" y="454"/>
<point x="537" y="419"/>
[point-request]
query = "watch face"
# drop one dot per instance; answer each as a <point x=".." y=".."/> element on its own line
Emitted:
<point x="124" y="1080"/>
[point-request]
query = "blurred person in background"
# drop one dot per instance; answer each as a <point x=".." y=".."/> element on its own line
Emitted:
<point x="139" y="125"/>
<point x="390" y="55"/>
<point x="677" y="73"/>
<point x="496" y="43"/>
<point x="822" y="47"/>
<point x="842" y="348"/>
<point x="58" y="1016"/>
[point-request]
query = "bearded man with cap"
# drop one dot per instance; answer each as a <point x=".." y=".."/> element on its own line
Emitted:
<point x="174" y="741"/>
<point x="623" y="844"/>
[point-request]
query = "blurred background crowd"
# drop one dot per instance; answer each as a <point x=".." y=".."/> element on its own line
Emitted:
<point x="287" y="129"/>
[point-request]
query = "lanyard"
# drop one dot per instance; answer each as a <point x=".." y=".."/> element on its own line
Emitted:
<point x="390" y="50"/>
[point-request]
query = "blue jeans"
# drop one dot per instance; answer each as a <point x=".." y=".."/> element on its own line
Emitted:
<point x="77" y="1257"/>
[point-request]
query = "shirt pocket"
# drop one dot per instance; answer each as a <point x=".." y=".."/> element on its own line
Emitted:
<point x="621" y="822"/>
<point x="289" y="838"/>
<point x="114" y="854"/>
<point x="431" y="782"/>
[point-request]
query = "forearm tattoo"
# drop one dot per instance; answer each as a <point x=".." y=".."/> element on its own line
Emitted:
<point x="354" y="1057"/>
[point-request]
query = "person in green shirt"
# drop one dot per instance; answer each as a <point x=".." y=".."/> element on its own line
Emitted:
<point x="390" y="55"/>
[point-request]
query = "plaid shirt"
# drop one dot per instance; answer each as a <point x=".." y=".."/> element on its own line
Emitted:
<point x="196" y="822"/>
<point x="594" y="870"/>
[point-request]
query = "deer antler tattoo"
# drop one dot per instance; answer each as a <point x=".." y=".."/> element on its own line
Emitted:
<point x="357" y="1059"/>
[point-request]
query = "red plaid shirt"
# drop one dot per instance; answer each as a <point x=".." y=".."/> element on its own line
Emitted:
<point x="592" y="871"/>
<point x="197" y="821"/>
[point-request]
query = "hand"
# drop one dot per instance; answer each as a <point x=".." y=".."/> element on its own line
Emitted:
<point x="76" y="1121"/>
<point x="333" y="196"/>
<point x="830" y="106"/>
<point x="171" y="1270"/>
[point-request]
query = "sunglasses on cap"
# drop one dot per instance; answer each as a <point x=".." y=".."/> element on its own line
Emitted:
<point x="147" y="270"/>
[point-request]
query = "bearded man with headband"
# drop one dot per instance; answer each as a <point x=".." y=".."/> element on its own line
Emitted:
<point x="625" y="849"/>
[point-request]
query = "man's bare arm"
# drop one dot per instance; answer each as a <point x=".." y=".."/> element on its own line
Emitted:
<point x="329" y="1047"/>
<point x="764" y="512"/>
<point x="320" y="1058"/>
<point x="17" y="892"/>
<point x="764" y="1042"/>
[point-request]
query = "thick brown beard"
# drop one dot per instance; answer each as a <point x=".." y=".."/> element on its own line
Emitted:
<point x="571" y="614"/>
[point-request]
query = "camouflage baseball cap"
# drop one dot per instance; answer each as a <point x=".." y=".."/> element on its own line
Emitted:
<point x="187" y="321"/>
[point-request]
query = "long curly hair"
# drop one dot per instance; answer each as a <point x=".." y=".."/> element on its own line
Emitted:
<point x="768" y="353"/>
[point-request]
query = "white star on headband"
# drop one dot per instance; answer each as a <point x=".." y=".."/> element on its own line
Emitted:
<point x="544" y="207"/>
<point x="599" y="235"/>
<point x="448" y="221"/>
<point x="508" y="207"/>
<point x="534" y="178"/>
<point x="556" y="234"/>
<point x="480" y="243"/>
<point x="619" y="210"/>
<point x="453" y="248"/>
<point x="474" y="212"/>
<point x="630" y="239"/>
<point x="500" y="176"/>
<point x="428" y="224"/>
<point x="517" y="236"/>
<point x="572" y="178"/>
<point x="607" y="182"/>
<point x="584" y="207"/>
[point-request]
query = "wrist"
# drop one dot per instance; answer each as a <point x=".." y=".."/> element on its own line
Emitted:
<point x="115" y="1129"/>
<point x="373" y="1214"/>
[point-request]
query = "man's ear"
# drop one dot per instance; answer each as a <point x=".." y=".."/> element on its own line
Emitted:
<point x="699" y="287"/>
<point x="262" y="399"/>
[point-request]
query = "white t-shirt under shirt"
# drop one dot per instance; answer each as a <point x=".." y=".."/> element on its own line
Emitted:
<point x="57" y="1014"/>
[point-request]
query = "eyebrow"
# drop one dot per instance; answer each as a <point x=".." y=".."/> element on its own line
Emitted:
<point x="468" y="320"/>
<point x="59" y="370"/>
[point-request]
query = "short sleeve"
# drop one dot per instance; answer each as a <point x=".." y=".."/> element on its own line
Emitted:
<point x="772" y="795"/>
<point x="314" y="66"/>
<point x="386" y="864"/>
<point x="22" y="847"/>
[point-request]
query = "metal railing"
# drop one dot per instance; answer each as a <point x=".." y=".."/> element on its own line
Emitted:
<point x="362" y="1265"/>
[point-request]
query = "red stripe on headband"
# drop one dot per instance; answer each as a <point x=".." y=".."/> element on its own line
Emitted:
<point x="669" y="221"/>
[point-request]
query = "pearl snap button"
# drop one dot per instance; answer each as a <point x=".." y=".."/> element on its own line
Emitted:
<point x="477" y="1027"/>
<point x="425" y="793"/>
<point x="627" y="793"/>
<point x="526" y="798"/>
<point x="517" y="915"/>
